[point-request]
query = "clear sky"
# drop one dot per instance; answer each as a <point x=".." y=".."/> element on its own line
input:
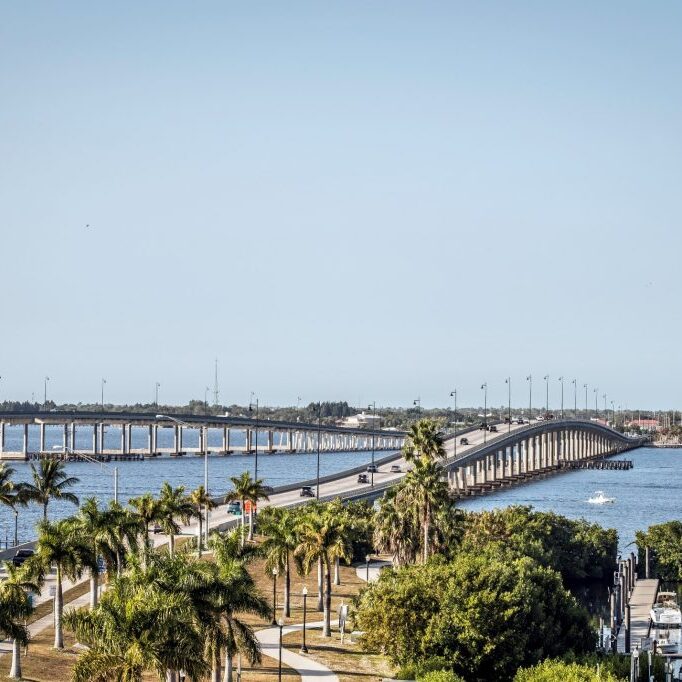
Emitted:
<point x="340" y="200"/>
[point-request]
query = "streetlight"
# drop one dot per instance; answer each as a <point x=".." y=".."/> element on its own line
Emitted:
<point x="319" y="435"/>
<point x="104" y="381"/>
<point x="304" y="648"/>
<point x="454" y="440"/>
<point x="275" y="571"/>
<point x="575" y="398"/>
<point x="529" y="379"/>
<point x="547" y="393"/>
<point x="484" y="388"/>
<point x="206" y="509"/>
<point x="561" y="379"/>
<point x="596" y="404"/>
<point x="613" y="414"/>
<point x="606" y="412"/>
<point x="585" y="387"/>
<point x="417" y="402"/>
<point x="367" y="558"/>
<point x="634" y="665"/>
<point x="206" y="399"/>
<point x="508" y="382"/>
<point x="373" y="407"/>
<point x="157" y="386"/>
<point x="45" y="392"/>
<point x="255" y="407"/>
<point x="280" y="622"/>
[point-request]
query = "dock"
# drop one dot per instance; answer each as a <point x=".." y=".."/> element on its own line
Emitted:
<point x="642" y="598"/>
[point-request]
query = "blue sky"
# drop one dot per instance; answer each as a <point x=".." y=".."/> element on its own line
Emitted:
<point x="357" y="200"/>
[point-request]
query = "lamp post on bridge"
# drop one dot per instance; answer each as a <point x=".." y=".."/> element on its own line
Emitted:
<point x="575" y="398"/>
<point x="104" y="381"/>
<point x="454" y="440"/>
<point x="484" y="388"/>
<point x="206" y="508"/>
<point x="561" y="379"/>
<point x="417" y="402"/>
<point x="508" y="382"/>
<point x="157" y="386"/>
<point x="319" y="434"/>
<point x="606" y="412"/>
<point x="613" y="414"/>
<point x="529" y="379"/>
<point x="596" y="404"/>
<point x="373" y="407"/>
<point x="546" y="393"/>
<point x="45" y="392"/>
<point x="586" y="412"/>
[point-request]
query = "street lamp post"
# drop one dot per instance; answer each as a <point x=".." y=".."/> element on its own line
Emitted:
<point x="613" y="414"/>
<point x="596" y="404"/>
<point x="529" y="379"/>
<point x="561" y="379"/>
<point x="508" y="382"/>
<point x="417" y="402"/>
<point x="547" y="393"/>
<point x="304" y="648"/>
<point x="104" y="381"/>
<point x="45" y="392"/>
<point x="585" y="387"/>
<point x="206" y="509"/>
<point x="575" y="398"/>
<point x="92" y="460"/>
<point x="367" y="558"/>
<point x="454" y="440"/>
<point x="373" y="407"/>
<point x="484" y="388"/>
<point x="206" y="390"/>
<point x="157" y="386"/>
<point x="255" y="406"/>
<point x="274" y="595"/>
<point x="319" y="435"/>
<point x="280" y="622"/>
<point x="606" y="412"/>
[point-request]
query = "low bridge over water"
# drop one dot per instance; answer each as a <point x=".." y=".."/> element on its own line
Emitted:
<point x="268" y="436"/>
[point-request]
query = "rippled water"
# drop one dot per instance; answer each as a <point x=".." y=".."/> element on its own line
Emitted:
<point x="649" y="493"/>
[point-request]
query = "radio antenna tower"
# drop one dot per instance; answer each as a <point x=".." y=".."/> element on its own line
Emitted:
<point x="216" y="392"/>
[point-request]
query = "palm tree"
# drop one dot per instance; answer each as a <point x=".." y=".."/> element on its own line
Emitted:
<point x="147" y="509"/>
<point x="49" y="482"/>
<point x="99" y="528"/>
<point x="61" y="544"/>
<point x="11" y="494"/>
<point x="138" y="626"/>
<point x="280" y="528"/>
<point x="16" y="606"/>
<point x="127" y="529"/>
<point x="246" y="489"/>
<point x="424" y="442"/>
<point x="396" y="529"/>
<point x="173" y="503"/>
<point x="323" y="538"/>
<point x="199" y="500"/>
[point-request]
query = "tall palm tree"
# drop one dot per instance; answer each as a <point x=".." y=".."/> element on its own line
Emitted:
<point x="147" y="509"/>
<point x="173" y="503"/>
<point x="323" y="538"/>
<point x="199" y="499"/>
<point x="99" y="528"/>
<point x="61" y="544"/>
<point x="15" y="607"/>
<point x="137" y="627"/>
<point x="396" y="529"/>
<point x="280" y="528"/>
<point x="246" y="489"/>
<point x="424" y="442"/>
<point x="11" y="494"/>
<point x="127" y="528"/>
<point x="50" y="481"/>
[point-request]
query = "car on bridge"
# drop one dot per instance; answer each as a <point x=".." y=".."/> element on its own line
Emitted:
<point x="492" y="428"/>
<point x="307" y="491"/>
<point x="234" y="508"/>
<point x="372" y="469"/>
<point x="463" y="441"/>
<point x="395" y="468"/>
<point x="21" y="555"/>
<point x="363" y="478"/>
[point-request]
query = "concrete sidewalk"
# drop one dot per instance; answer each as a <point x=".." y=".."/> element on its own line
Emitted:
<point x="306" y="667"/>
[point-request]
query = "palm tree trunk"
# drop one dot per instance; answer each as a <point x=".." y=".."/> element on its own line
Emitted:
<point x="94" y="586"/>
<point x="227" y="675"/>
<point x="171" y="544"/>
<point x="427" y="527"/>
<point x="251" y="522"/>
<point x="320" y="607"/>
<point x="241" y="539"/>
<point x="44" y="511"/>
<point x="58" y="608"/>
<point x="171" y="676"/>
<point x="201" y="532"/>
<point x="327" y="628"/>
<point x="287" y="588"/>
<point x="337" y="572"/>
<point x="215" y="668"/>
<point x="15" y="672"/>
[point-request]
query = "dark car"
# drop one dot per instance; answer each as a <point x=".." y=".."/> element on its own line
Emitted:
<point x="21" y="556"/>
<point x="464" y="441"/>
<point x="372" y="468"/>
<point x="362" y="478"/>
<point x="307" y="491"/>
<point x="492" y="428"/>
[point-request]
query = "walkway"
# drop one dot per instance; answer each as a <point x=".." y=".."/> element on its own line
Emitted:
<point x="641" y="601"/>
<point x="306" y="667"/>
<point x="375" y="567"/>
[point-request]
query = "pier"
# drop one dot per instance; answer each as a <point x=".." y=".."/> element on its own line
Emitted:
<point x="604" y="464"/>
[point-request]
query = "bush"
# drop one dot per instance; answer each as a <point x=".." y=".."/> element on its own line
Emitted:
<point x="440" y="676"/>
<point x="558" y="671"/>
<point x="665" y="541"/>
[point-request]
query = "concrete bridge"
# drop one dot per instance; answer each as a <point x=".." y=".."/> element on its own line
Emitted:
<point x="279" y="436"/>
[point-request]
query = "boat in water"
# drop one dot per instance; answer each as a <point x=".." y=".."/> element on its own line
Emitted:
<point x="665" y="611"/>
<point x="600" y="498"/>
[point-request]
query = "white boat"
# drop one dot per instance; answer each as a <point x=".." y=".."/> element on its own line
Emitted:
<point x="666" y="644"/>
<point x="665" y="611"/>
<point x="600" y="498"/>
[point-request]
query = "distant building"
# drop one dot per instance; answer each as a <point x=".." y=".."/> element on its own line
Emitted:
<point x="362" y="420"/>
<point x="645" y="424"/>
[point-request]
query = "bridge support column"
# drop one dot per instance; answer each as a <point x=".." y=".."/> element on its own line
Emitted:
<point x="73" y="436"/>
<point x="25" y="442"/>
<point x="130" y="438"/>
<point x="271" y="446"/>
<point x="123" y="439"/>
<point x="42" y="438"/>
<point x="181" y="434"/>
<point x="94" y="439"/>
<point x="150" y="441"/>
<point x="101" y="438"/>
<point x="2" y="436"/>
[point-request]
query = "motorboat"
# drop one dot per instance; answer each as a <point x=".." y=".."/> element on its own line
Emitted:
<point x="666" y="643"/>
<point x="600" y="498"/>
<point x="665" y="611"/>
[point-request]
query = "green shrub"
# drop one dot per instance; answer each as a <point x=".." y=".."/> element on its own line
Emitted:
<point x="440" y="676"/>
<point x="558" y="671"/>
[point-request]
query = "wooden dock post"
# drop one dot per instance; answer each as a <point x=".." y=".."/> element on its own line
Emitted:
<point x="646" y="563"/>
<point x="628" y="625"/>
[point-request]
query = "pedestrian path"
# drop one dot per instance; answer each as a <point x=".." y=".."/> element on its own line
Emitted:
<point x="375" y="567"/>
<point x="306" y="667"/>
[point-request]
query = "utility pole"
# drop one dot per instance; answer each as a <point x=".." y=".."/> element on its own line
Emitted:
<point x="575" y="399"/>
<point x="484" y="388"/>
<point x="547" y="393"/>
<point x="561" y="379"/>
<point x="454" y="440"/>
<point x="216" y="393"/>
<point x="508" y="382"/>
<point x="529" y="379"/>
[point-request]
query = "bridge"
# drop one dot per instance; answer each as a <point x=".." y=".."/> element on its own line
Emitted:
<point x="230" y="435"/>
